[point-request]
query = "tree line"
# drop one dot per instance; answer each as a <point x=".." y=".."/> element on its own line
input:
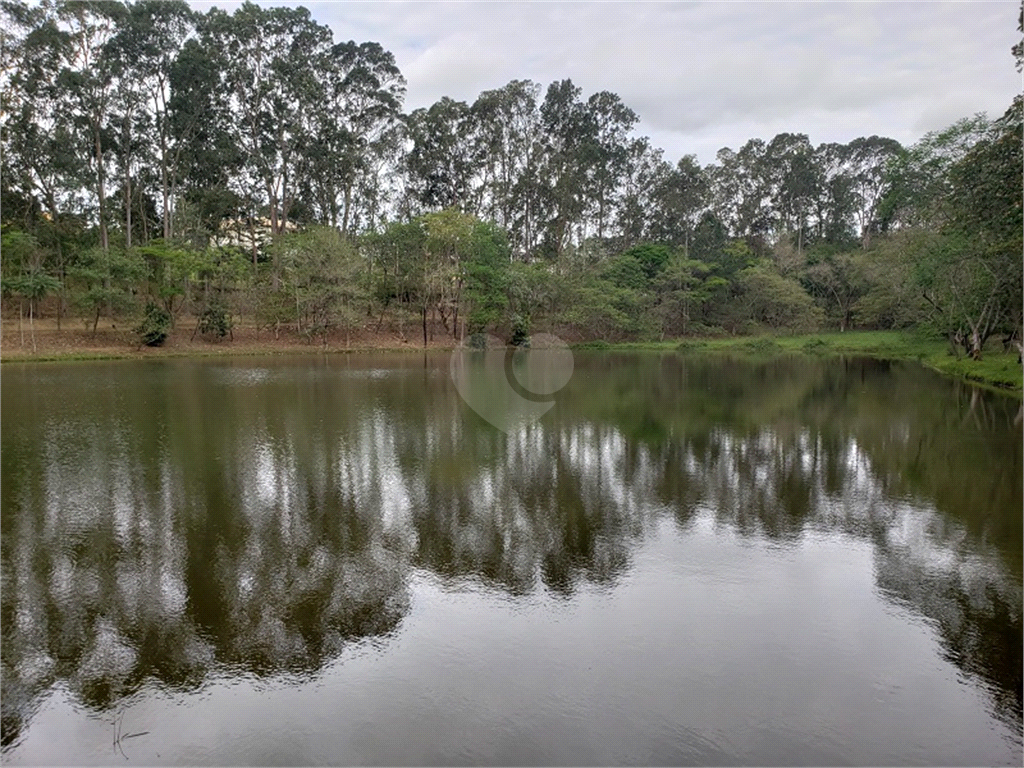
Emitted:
<point x="215" y="165"/>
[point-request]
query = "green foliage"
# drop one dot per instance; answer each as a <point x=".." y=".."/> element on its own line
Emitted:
<point x="837" y="281"/>
<point x="776" y="301"/>
<point x="172" y="270"/>
<point x="486" y="296"/>
<point x="520" y="331"/>
<point x="684" y="290"/>
<point x="762" y="345"/>
<point x="215" y="322"/>
<point x="325" y="278"/>
<point x="274" y="309"/>
<point x="478" y="341"/>
<point x="816" y="346"/>
<point x="595" y="345"/>
<point x="652" y="257"/>
<point x="892" y="298"/>
<point x="689" y="345"/>
<point x="597" y="308"/>
<point x="734" y="258"/>
<point x="919" y="187"/>
<point x="486" y="281"/>
<point x="625" y="271"/>
<point x="107" y="279"/>
<point x="32" y="286"/>
<point x="20" y="250"/>
<point x="155" y="325"/>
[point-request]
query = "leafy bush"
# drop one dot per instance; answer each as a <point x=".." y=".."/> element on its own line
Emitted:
<point x="687" y="345"/>
<point x="520" y="331"/>
<point x="776" y="301"/>
<point x="274" y="310"/>
<point x="762" y="345"/>
<point x="155" y="326"/>
<point x="816" y="346"/>
<point x="700" y="329"/>
<point x="215" y="322"/>
<point x="595" y="344"/>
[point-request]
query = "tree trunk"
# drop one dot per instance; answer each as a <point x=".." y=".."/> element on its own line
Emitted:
<point x="165" y="192"/>
<point x="272" y="199"/>
<point x="128" y="213"/>
<point x="976" y="344"/>
<point x="348" y="205"/>
<point x="127" y="182"/>
<point x="60" y="293"/>
<point x="424" y="313"/>
<point x="100" y="191"/>
<point x="954" y="344"/>
<point x="142" y="220"/>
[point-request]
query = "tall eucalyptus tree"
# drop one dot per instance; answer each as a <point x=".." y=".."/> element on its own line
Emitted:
<point x="269" y="58"/>
<point x="352" y="132"/>
<point x="443" y="161"/>
<point x="566" y="125"/>
<point x="605" y="153"/>
<point x="90" y="82"/>
<point x="145" y="49"/>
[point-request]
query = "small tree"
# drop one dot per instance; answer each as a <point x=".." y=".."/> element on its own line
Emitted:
<point x="326" y="279"/>
<point x="109" y="279"/>
<point x="683" y="288"/>
<point x="155" y="326"/>
<point x="29" y="283"/>
<point x="777" y="301"/>
<point x="214" y="322"/>
<point x="172" y="270"/>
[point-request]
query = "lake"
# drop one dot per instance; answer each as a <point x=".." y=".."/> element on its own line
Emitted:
<point x="335" y="560"/>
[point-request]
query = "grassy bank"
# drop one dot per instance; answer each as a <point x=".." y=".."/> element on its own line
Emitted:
<point x="998" y="369"/>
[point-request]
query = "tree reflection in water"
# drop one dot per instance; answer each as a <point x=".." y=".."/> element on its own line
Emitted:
<point x="203" y="520"/>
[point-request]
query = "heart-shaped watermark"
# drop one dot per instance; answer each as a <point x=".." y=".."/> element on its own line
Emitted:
<point x="511" y="386"/>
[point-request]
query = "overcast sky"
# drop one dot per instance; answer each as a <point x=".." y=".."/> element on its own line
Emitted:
<point x="708" y="75"/>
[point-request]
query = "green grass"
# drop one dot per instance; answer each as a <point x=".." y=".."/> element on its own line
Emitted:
<point x="997" y="369"/>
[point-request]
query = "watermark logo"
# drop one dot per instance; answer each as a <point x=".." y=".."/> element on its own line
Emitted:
<point x="511" y="386"/>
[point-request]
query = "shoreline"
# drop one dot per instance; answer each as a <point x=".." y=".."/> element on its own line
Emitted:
<point x="997" y="371"/>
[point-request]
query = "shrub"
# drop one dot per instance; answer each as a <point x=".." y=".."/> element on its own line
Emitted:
<point x="595" y="344"/>
<point x="155" y="326"/>
<point x="215" y="322"/>
<point x="520" y="331"/>
<point x="816" y="346"/>
<point x="762" y="345"/>
<point x="687" y="345"/>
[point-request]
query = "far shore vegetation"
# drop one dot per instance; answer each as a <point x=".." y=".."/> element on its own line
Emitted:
<point x="157" y="199"/>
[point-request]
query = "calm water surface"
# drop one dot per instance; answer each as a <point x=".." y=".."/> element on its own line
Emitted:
<point x="333" y="560"/>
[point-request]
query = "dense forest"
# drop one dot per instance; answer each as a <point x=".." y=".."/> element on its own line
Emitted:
<point x="165" y="167"/>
